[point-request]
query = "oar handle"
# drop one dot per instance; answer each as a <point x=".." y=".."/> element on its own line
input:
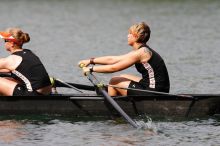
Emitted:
<point x="82" y="65"/>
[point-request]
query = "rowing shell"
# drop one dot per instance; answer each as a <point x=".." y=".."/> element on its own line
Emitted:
<point x="94" y="105"/>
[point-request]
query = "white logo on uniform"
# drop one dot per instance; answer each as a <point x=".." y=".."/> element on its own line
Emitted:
<point x="150" y="70"/>
<point x="24" y="79"/>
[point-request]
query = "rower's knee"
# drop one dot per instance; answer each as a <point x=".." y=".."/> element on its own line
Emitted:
<point x="118" y="79"/>
<point x="112" y="91"/>
<point x="7" y="86"/>
<point x="114" y="80"/>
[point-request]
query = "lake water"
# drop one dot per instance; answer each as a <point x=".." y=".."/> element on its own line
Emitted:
<point x="185" y="33"/>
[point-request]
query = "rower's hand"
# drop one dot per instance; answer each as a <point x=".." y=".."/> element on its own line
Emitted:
<point x="84" y="62"/>
<point x="85" y="70"/>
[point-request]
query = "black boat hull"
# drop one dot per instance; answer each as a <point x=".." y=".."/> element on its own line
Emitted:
<point x="92" y="105"/>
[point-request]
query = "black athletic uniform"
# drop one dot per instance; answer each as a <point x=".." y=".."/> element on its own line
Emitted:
<point x="31" y="73"/>
<point x="154" y="75"/>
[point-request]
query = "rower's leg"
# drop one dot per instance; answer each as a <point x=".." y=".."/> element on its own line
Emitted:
<point x="131" y="77"/>
<point x="7" y="86"/>
<point x="121" y="81"/>
<point x="112" y="91"/>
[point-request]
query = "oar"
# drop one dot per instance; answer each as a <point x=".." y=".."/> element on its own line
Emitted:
<point x="5" y="74"/>
<point x="67" y="84"/>
<point x="101" y="88"/>
<point x="79" y="86"/>
<point x="60" y="83"/>
<point x="154" y="92"/>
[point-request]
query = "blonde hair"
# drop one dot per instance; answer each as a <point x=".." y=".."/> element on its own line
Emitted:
<point x="19" y="35"/>
<point x="142" y="31"/>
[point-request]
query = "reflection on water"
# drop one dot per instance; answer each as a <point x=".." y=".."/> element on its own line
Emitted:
<point x="59" y="132"/>
<point x="10" y="131"/>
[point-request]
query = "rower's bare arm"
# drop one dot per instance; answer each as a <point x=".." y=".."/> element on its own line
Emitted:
<point x="9" y="63"/>
<point x="107" y="60"/>
<point x="4" y="65"/>
<point x="123" y="62"/>
<point x="4" y="70"/>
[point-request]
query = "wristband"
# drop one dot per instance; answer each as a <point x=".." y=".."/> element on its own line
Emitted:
<point x="92" y="61"/>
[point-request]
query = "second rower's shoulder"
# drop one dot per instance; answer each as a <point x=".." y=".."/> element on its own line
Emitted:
<point x="134" y="53"/>
<point x="145" y="51"/>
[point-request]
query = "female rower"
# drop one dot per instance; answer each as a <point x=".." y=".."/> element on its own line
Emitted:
<point x="147" y="62"/>
<point x="29" y="77"/>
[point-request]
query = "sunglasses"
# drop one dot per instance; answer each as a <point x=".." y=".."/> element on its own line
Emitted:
<point x="7" y="41"/>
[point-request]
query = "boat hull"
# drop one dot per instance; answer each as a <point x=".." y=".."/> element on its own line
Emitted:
<point x="92" y="105"/>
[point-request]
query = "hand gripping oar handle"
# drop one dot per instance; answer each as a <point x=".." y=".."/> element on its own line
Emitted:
<point x="100" y="86"/>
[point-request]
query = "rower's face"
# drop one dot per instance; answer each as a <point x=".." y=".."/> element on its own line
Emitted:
<point x="8" y="45"/>
<point x="131" y="39"/>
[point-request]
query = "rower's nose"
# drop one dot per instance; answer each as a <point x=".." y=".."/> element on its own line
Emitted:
<point x="129" y="35"/>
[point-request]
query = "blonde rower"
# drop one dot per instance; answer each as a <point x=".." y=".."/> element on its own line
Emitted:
<point x="151" y="66"/>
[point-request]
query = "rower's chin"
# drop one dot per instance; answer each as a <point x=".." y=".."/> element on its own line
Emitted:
<point x="130" y="44"/>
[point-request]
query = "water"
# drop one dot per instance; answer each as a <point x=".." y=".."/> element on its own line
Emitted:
<point x="66" y="132"/>
<point x="185" y="33"/>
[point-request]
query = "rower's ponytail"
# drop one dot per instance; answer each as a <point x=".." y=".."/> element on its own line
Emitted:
<point x="25" y="37"/>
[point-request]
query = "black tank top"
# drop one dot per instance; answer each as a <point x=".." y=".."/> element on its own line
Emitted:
<point x="31" y="71"/>
<point x="154" y="72"/>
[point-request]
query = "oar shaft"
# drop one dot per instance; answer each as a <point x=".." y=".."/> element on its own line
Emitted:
<point x="95" y="82"/>
<point x="119" y="109"/>
<point x="154" y="92"/>
<point x="79" y="86"/>
<point x="69" y="85"/>
<point x="5" y="74"/>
